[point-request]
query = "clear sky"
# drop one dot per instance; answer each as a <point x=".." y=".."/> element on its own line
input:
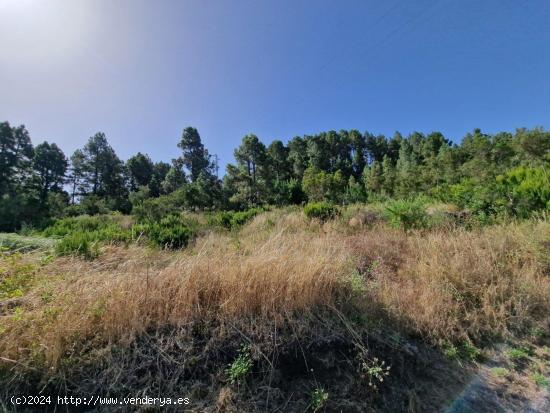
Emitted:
<point x="141" y="71"/>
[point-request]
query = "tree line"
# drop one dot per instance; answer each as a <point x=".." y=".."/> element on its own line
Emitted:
<point x="488" y="174"/>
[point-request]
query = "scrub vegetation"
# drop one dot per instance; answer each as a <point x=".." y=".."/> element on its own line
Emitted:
<point x="340" y="272"/>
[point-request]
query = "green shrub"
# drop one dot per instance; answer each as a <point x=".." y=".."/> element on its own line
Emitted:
<point x="319" y="397"/>
<point x="154" y="209"/>
<point x="221" y="219"/>
<point x="97" y="228"/>
<point x="233" y="219"/>
<point x="241" y="366"/>
<point x="320" y="210"/>
<point x="93" y="205"/>
<point x="518" y="353"/>
<point x="78" y="243"/>
<point x="541" y="380"/>
<point x="525" y="190"/>
<point x="170" y="232"/>
<point x="407" y="214"/>
<point x="242" y="217"/>
<point x="70" y="225"/>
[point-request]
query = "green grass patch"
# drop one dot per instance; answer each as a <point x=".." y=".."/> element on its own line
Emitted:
<point x="465" y="351"/>
<point x="15" y="276"/>
<point x="18" y="243"/>
<point x="81" y="235"/>
<point x="500" y="371"/>
<point x="518" y="353"/>
<point x="541" y="380"/>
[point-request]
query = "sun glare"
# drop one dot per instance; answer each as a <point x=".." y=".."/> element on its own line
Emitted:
<point x="42" y="32"/>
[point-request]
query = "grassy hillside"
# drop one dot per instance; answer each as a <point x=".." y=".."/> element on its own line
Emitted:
<point x="355" y="309"/>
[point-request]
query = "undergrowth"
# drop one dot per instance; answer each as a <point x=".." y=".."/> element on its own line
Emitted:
<point x="285" y="284"/>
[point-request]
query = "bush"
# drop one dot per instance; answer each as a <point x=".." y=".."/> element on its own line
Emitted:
<point x="154" y="209"/>
<point x="242" y="217"/>
<point x="81" y="235"/>
<point x="170" y="232"/>
<point x="525" y="190"/>
<point x="78" y="243"/>
<point x="320" y="210"/>
<point x="93" y="205"/>
<point x="407" y="214"/>
<point x="97" y="228"/>
<point x="233" y="219"/>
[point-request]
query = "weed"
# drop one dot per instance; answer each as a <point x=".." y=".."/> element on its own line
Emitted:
<point x="51" y="312"/>
<point x="464" y="351"/>
<point x="241" y="366"/>
<point x="541" y="380"/>
<point x="46" y="296"/>
<point x="357" y="283"/>
<point x="15" y="276"/>
<point x="470" y="352"/>
<point x="500" y="371"/>
<point x="518" y="353"/>
<point x="539" y="332"/>
<point x="98" y="309"/>
<point x="17" y="314"/>
<point x="373" y="370"/>
<point x="450" y="351"/>
<point x="319" y="397"/>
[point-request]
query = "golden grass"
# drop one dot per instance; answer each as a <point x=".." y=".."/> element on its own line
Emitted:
<point x="445" y="285"/>
<point x="122" y="294"/>
<point x="462" y="284"/>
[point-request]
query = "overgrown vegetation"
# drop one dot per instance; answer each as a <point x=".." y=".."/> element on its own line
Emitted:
<point x="341" y="313"/>
<point x="20" y="243"/>
<point x="400" y="258"/>
<point x="79" y="243"/>
<point x="170" y="232"/>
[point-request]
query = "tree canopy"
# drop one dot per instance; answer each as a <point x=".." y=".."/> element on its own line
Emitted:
<point x="501" y="173"/>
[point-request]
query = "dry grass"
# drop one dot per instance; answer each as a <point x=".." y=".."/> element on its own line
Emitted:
<point x="460" y="284"/>
<point x="265" y="274"/>
<point x="444" y="285"/>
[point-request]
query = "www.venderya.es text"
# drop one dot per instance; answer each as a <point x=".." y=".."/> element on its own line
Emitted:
<point x="94" y="400"/>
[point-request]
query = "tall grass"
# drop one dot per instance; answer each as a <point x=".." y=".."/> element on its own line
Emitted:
<point x="445" y="285"/>
<point x="453" y="285"/>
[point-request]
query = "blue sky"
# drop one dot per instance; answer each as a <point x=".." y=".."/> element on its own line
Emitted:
<point x="141" y="71"/>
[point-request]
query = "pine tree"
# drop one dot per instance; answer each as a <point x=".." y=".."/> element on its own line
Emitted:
<point x="195" y="157"/>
